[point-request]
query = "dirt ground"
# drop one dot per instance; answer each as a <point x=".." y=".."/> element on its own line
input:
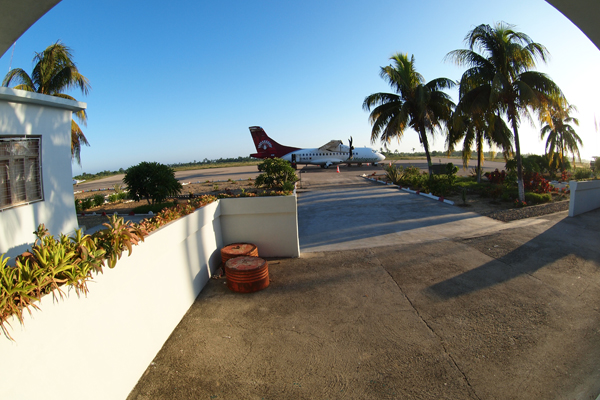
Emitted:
<point x="197" y="189"/>
<point x="474" y="202"/>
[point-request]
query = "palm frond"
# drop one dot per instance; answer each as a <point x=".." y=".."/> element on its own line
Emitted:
<point x="21" y="78"/>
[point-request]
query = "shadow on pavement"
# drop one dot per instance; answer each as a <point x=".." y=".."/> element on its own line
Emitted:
<point x="568" y="241"/>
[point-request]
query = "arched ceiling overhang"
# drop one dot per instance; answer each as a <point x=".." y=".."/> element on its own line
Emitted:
<point x="583" y="13"/>
<point x="16" y="16"/>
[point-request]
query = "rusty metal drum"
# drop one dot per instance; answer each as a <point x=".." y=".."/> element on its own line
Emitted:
<point x="237" y="250"/>
<point x="247" y="274"/>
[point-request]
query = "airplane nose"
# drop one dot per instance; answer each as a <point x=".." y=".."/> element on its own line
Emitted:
<point x="380" y="157"/>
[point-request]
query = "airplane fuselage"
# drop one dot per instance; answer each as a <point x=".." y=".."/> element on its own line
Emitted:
<point x="332" y="153"/>
<point x="326" y="158"/>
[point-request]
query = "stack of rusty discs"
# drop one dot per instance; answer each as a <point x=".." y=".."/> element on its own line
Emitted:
<point x="244" y="270"/>
<point x="247" y="274"/>
<point x="238" y="250"/>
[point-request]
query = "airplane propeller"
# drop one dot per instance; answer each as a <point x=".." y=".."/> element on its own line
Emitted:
<point x="350" y="146"/>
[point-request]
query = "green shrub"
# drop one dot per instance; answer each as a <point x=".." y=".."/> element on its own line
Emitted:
<point x="537" y="198"/>
<point x="582" y="173"/>
<point x="78" y="208"/>
<point x="276" y="172"/>
<point x="123" y="195"/>
<point x="451" y="171"/>
<point x="151" y="181"/>
<point x="394" y="173"/>
<point x="509" y="194"/>
<point x="155" y="208"/>
<point x="87" y="204"/>
<point x="98" y="200"/>
<point x="467" y="183"/>
<point x="414" y="178"/>
<point x="439" y="185"/>
<point x="113" y="197"/>
<point x="288" y="186"/>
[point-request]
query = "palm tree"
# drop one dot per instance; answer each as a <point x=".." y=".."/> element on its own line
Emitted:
<point x="503" y="78"/>
<point x="54" y="73"/>
<point x="422" y="106"/>
<point x="561" y="136"/>
<point x="478" y="128"/>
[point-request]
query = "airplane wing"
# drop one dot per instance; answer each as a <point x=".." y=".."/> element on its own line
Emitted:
<point x="333" y="145"/>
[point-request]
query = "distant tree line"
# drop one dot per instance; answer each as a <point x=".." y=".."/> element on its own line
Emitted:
<point x="195" y="163"/>
<point x="206" y="161"/>
<point x="434" y="153"/>
<point x="98" y="175"/>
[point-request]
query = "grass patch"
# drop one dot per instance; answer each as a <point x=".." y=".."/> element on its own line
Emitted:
<point x="155" y="208"/>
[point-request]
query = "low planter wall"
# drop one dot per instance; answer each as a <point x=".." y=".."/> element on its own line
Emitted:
<point x="97" y="347"/>
<point x="585" y="196"/>
<point x="271" y="223"/>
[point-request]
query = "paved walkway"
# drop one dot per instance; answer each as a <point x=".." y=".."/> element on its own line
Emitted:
<point x="510" y="311"/>
<point x="364" y="214"/>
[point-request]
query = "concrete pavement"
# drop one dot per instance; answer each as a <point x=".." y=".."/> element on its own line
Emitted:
<point x="344" y="211"/>
<point x="510" y="311"/>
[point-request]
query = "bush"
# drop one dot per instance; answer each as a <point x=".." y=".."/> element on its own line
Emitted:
<point x="276" y="172"/>
<point x="288" y="186"/>
<point x="496" y="177"/>
<point x="394" y="173"/>
<point x="582" y="173"/>
<point x="113" y="197"/>
<point x="535" y="182"/>
<point x="151" y="181"/>
<point x="439" y="185"/>
<point x="86" y="204"/>
<point x="451" y="171"/>
<point x="537" y="198"/>
<point x="414" y="179"/>
<point x="98" y="200"/>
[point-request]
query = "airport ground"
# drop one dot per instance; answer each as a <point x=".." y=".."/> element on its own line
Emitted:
<point x="396" y="296"/>
<point x="251" y="171"/>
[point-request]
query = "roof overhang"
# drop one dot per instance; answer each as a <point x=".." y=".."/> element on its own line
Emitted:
<point x="583" y="13"/>
<point x="16" y="16"/>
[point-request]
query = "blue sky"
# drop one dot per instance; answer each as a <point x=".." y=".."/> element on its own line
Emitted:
<point x="183" y="80"/>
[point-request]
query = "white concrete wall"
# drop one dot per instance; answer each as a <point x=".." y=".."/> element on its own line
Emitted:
<point x="97" y="347"/>
<point x="585" y="196"/>
<point x="23" y="113"/>
<point x="271" y="223"/>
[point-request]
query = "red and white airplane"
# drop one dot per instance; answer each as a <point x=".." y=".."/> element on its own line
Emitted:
<point x="332" y="153"/>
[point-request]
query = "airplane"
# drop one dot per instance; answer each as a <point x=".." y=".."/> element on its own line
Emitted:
<point x="327" y="155"/>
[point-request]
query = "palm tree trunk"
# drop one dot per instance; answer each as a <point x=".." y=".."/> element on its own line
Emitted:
<point x="479" y="156"/>
<point x="520" y="184"/>
<point x="426" y="147"/>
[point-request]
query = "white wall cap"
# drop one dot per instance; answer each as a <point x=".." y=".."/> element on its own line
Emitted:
<point x="23" y="96"/>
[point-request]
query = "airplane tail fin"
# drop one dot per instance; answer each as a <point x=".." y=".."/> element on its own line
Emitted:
<point x="267" y="147"/>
